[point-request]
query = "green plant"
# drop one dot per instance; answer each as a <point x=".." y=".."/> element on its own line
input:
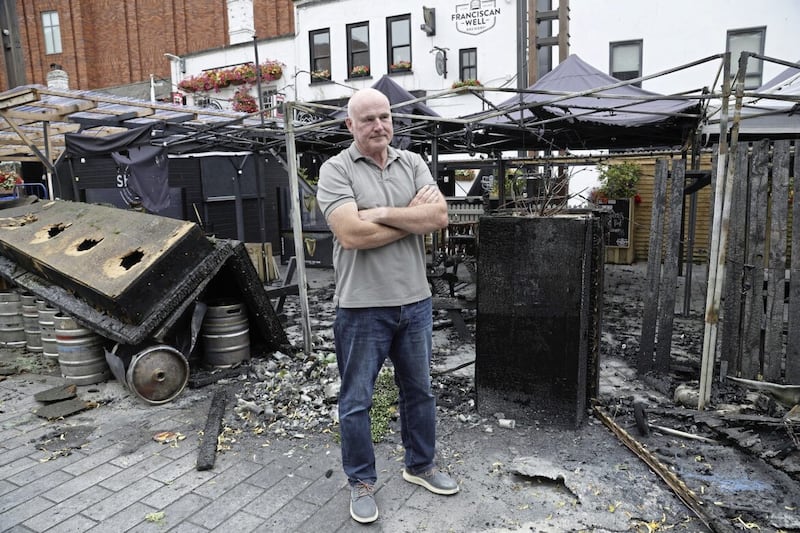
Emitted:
<point x="384" y="401"/>
<point x="216" y="79"/>
<point x="464" y="174"/>
<point x="400" y="65"/>
<point x="359" y="70"/>
<point x="9" y="175"/>
<point x="320" y="75"/>
<point x="619" y="180"/>
<point x="466" y="83"/>
<point x="244" y="102"/>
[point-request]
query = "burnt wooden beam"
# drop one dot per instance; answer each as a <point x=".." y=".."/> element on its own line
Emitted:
<point x="207" y="454"/>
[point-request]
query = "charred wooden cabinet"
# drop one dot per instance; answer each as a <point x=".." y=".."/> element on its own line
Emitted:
<point x="539" y="312"/>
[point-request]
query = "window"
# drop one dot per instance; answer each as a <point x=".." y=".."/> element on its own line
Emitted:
<point x="625" y="60"/>
<point x="468" y="64"/>
<point x="320" y="47"/>
<point x="52" y="32"/>
<point x="358" y="49"/>
<point x="747" y="40"/>
<point x="398" y="37"/>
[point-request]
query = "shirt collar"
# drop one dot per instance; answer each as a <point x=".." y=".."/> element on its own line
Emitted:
<point x="355" y="153"/>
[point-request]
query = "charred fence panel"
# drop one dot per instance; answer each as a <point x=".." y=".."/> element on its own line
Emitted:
<point x="539" y="295"/>
<point x="760" y="334"/>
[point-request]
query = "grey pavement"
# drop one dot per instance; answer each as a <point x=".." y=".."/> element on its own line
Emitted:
<point x="101" y="470"/>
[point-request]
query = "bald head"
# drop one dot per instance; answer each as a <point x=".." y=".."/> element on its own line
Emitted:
<point x="366" y="98"/>
<point x="369" y="119"/>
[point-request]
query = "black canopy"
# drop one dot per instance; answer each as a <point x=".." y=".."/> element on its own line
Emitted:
<point x="576" y="106"/>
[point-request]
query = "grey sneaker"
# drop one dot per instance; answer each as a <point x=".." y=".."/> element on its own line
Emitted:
<point x="434" y="480"/>
<point x="362" y="503"/>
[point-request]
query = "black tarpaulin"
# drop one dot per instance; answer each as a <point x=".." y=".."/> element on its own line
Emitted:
<point x="147" y="165"/>
<point x="148" y="175"/>
<point x="602" y="114"/>
<point x="85" y="145"/>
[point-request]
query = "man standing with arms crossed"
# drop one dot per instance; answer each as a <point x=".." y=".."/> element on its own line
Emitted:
<point x="380" y="202"/>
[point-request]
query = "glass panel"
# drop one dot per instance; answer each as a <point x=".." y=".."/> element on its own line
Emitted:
<point x="401" y="32"/>
<point x="52" y="32"/>
<point x="747" y="41"/>
<point x="625" y="58"/>
<point x="322" y="44"/>
<point x="359" y="39"/>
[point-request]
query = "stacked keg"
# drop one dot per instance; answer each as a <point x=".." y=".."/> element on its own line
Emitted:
<point x="12" y="329"/>
<point x="81" y="355"/>
<point x="30" y="321"/>
<point x="47" y="330"/>
<point x="226" y="334"/>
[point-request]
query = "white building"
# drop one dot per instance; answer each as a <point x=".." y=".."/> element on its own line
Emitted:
<point x="428" y="46"/>
<point x="479" y="38"/>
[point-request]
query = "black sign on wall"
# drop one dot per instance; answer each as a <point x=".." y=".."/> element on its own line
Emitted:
<point x="618" y="223"/>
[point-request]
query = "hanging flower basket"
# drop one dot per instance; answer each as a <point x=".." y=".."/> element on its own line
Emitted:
<point x="244" y="102"/>
<point x="217" y="79"/>
<point x="9" y="177"/>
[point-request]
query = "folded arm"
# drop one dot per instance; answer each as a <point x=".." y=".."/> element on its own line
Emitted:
<point x="372" y="228"/>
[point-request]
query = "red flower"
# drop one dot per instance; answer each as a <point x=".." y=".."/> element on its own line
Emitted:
<point x="637" y="199"/>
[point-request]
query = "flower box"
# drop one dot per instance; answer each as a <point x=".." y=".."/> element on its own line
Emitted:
<point x="318" y="76"/>
<point x="359" y="71"/>
<point x="217" y="79"/>
<point x="400" y="66"/>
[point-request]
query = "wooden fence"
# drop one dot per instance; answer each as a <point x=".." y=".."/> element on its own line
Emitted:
<point x="760" y="314"/>
<point x="760" y="326"/>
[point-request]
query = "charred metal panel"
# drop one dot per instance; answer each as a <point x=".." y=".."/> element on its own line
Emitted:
<point x="537" y="322"/>
<point x="118" y="261"/>
<point x="192" y="268"/>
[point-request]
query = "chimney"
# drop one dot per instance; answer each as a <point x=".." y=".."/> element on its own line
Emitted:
<point x="57" y="78"/>
<point x="240" y="21"/>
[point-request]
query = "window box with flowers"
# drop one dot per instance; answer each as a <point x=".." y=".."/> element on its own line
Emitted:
<point x="217" y="79"/>
<point x="319" y="76"/>
<point x="359" y="71"/>
<point x="400" y="66"/>
<point x="466" y="83"/>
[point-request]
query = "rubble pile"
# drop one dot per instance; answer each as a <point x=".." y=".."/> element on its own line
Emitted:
<point x="293" y="394"/>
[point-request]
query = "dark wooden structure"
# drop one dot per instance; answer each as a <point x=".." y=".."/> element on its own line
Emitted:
<point x="538" y="326"/>
<point x="760" y="334"/>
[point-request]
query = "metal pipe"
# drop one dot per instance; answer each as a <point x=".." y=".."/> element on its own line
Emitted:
<point x="297" y="225"/>
<point x="714" y="294"/>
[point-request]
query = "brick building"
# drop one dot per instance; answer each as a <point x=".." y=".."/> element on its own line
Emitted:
<point x="106" y="43"/>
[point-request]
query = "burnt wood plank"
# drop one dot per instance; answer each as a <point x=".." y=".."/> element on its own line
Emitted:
<point x="207" y="454"/>
<point x="754" y="262"/>
<point x="776" y="271"/>
<point x="793" y="327"/>
<point x="650" y="314"/>
<point x="669" y="278"/>
<point x="730" y="341"/>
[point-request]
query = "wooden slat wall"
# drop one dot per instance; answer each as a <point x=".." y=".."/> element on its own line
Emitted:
<point x="642" y="213"/>
<point x="757" y="340"/>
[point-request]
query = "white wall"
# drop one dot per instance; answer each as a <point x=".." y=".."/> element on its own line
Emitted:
<point x="678" y="32"/>
<point x="496" y="47"/>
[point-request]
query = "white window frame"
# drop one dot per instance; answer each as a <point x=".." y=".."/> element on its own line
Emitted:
<point x="52" y="32"/>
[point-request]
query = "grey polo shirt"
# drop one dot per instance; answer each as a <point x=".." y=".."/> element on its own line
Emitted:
<point x="390" y="275"/>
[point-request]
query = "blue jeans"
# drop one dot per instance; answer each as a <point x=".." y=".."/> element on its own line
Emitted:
<point x="363" y="339"/>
